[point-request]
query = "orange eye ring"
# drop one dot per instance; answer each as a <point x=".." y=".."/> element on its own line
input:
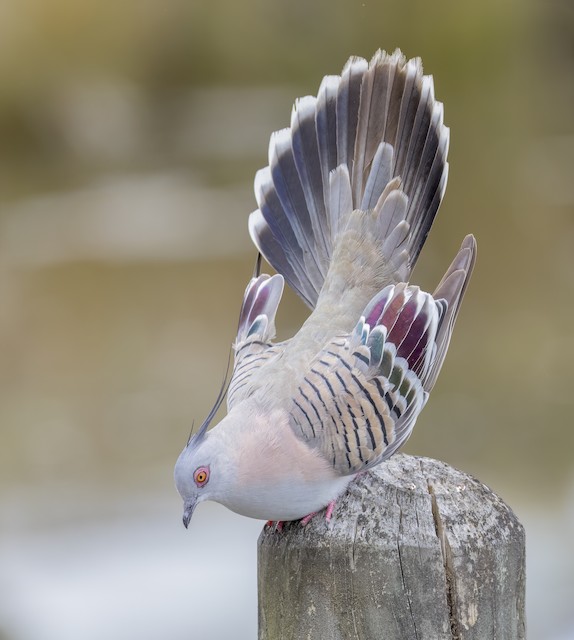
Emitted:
<point x="201" y="476"/>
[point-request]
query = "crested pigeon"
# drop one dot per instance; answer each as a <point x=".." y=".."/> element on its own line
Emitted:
<point x="344" y="207"/>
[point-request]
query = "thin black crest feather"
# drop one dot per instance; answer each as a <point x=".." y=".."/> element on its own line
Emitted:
<point x="197" y="437"/>
<point x="191" y="431"/>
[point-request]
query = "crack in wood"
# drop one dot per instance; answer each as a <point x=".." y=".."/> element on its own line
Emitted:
<point x="416" y="550"/>
<point x="449" y="572"/>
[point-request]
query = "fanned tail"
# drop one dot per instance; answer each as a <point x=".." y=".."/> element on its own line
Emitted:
<point x="375" y="132"/>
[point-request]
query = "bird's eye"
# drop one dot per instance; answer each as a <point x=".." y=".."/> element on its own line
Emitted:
<point x="201" y="476"/>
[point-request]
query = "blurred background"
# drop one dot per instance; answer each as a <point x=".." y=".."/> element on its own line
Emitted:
<point x="129" y="136"/>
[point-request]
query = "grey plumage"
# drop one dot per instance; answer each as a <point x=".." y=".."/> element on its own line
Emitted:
<point x="383" y="121"/>
<point x="345" y="205"/>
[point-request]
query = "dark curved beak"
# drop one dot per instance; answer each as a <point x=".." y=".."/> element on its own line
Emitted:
<point x="188" y="509"/>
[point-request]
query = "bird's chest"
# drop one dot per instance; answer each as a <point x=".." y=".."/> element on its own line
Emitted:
<point x="278" y="476"/>
<point x="286" y="498"/>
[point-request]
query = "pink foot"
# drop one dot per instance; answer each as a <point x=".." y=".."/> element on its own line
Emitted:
<point x="330" y="509"/>
<point x="278" y="525"/>
<point x="328" y="514"/>
<point x="305" y="521"/>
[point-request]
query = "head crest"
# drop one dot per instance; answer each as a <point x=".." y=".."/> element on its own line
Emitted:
<point x="195" y="439"/>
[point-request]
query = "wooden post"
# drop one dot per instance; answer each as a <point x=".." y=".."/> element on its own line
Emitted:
<point x="415" y="550"/>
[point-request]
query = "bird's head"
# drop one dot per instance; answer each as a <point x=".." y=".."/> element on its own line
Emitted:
<point x="201" y="469"/>
<point x="199" y="473"/>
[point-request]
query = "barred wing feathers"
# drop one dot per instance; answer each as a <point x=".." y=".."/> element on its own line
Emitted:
<point x="361" y="396"/>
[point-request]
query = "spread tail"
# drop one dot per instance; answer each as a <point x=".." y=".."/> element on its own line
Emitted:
<point x="372" y="140"/>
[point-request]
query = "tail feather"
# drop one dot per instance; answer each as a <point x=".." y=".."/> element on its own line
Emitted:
<point x="348" y="100"/>
<point x="379" y="176"/>
<point x="393" y="228"/>
<point x="326" y="122"/>
<point x="340" y="198"/>
<point x="376" y="90"/>
<point x="304" y="142"/>
<point x="286" y="262"/>
<point x="375" y="123"/>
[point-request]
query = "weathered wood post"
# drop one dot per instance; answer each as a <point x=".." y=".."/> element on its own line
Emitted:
<point x="415" y="550"/>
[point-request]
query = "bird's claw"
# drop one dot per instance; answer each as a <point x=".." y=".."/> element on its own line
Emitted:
<point x="328" y="514"/>
<point x="276" y="525"/>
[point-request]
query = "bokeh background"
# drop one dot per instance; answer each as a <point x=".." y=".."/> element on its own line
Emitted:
<point x="129" y="136"/>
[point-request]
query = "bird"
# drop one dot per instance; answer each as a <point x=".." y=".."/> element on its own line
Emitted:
<point x="344" y="206"/>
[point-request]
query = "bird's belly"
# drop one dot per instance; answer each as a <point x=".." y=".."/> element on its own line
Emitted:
<point x="287" y="500"/>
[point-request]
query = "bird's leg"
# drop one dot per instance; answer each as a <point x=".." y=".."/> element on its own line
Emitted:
<point x="328" y="513"/>
<point x="305" y="521"/>
<point x="329" y="510"/>
<point x="278" y="525"/>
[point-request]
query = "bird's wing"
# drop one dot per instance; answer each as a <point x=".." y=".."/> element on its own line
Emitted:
<point x="253" y="345"/>
<point x="360" y="397"/>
